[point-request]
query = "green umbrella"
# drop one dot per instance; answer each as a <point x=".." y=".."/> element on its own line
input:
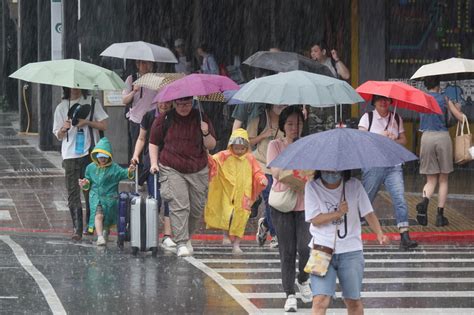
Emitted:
<point x="298" y="87"/>
<point x="70" y="73"/>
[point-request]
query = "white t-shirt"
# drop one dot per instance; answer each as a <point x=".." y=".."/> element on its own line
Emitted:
<point x="68" y="144"/>
<point x="320" y="200"/>
<point x="379" y="123"/>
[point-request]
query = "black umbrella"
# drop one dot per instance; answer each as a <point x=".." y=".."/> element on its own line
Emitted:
<point x="286" y="61"/>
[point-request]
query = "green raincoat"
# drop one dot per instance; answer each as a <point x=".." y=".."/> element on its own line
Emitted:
<point x="103" y="184"/>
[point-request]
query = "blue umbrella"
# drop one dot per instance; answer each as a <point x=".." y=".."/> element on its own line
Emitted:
<point x="229" y="96"/>
<point x="342" y="149"/>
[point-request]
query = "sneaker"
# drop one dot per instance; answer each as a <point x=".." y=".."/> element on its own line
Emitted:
<point x="261" y="232"/>
<point x="183" y="251"/>
<point x="190" y="248"/>
<point x="290" y="304"/>
<point x="237" y="251"/>
<point x="168" y="242"/>
<point x="274" y="242"/>
<point x="226" y="240"/>
<point x="305" y="291"/>
<point x="101" y="241"/>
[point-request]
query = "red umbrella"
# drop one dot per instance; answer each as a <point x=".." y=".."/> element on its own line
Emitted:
<point x="403" y="96"/>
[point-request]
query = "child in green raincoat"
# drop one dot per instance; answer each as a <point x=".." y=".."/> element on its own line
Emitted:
<point x="102" y="179"/>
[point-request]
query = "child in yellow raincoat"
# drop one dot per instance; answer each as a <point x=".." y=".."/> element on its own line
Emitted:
<point x="235" y="181"/>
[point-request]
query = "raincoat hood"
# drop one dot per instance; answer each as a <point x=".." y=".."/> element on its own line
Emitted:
<point x="103" y="146"/>
<point x="234" y="138"/>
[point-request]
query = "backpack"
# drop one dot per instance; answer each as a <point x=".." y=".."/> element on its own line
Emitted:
<point x="397" y="120"/>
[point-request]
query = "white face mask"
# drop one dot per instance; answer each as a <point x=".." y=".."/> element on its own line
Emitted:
<point x="331" y="177"/>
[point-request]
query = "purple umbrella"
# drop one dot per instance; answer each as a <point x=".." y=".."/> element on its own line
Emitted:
<point x="342" y="149"/>
<point x="195" y="85"/>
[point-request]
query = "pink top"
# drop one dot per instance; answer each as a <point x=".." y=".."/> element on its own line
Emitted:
<point x="275" y="147"/>
<point x="142" y="101"/>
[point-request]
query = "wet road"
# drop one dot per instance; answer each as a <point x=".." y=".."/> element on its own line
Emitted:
<point x="49" y="274"/>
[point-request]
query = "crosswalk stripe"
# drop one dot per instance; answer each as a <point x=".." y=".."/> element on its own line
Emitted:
<point x="368" y="280"/>
<point x="384" y="294"/>
<point x="366" y="269"/>
<point x="252" y="261"/>
<point x="378" y="311"/>
<point x="251" y="253"/>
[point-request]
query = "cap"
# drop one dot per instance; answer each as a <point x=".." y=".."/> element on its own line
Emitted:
<point x="238" y="140"/>
<point x="178" y="42"/>
<point x="102" y="155"/>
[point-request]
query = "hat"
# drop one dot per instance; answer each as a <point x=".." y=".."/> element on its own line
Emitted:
<point x="178" y="42"/>
<point x="238" y="140"/>
<point x="78" y="111"/>
<point x="102" y="155"/>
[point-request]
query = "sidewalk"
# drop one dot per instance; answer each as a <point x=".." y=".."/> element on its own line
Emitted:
<point x="33" y="196"/>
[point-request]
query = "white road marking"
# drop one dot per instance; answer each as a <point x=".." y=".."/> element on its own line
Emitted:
<point x="45" y="286"/>
<point x="368" y="280"/>
<point x="70" y="243"/>
<point x="5" y="215"/>
<point x="252" y="261"/>
<point x="8" y="297"/>
<point x="249" y="253"/>
<point x="385" y="294"/>
<point x="383" y="311"/>
<point x="366" y="269"/>
<point x="223" y="283"/>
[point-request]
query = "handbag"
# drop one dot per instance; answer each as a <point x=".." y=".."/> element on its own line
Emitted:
<point x="320" y="257"/>
<point x="283" y="201"/>
<point x="462" y="143"/>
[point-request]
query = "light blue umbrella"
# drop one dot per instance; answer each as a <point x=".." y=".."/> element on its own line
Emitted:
<point x="342" y="149"/>
<point x="298" y="87"/>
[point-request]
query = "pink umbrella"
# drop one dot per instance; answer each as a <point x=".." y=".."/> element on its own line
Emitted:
<point x="195" y="85"/>
<point x="403" y="95"/>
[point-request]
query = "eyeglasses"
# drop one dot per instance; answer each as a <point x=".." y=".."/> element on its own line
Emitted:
<point x="184" y="101"/>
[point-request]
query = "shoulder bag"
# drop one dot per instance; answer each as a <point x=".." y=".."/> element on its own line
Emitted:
<point x="462" y="143"/>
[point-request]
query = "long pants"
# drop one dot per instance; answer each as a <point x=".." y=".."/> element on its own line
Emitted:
<point x="186" y="195"/>
<point x="133" y="132"/>
<point x="293" y="237"/>
<point x="268" y="212"/>
<point x="74" y="169"/>
<point x="392" y="178"/>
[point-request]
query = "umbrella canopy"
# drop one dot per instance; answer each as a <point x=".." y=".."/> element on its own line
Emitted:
<point x="403" y="95"/>
<point x="195" y="85"/>
<point x="342" y="149"/>
<point x="283" y="61"/>
<point x="140" y="51"/>
<point x="70" y="73"/>
<point x="298" y="87"/>
<point x="449" y="70"/>
<point x="155" y="81"/>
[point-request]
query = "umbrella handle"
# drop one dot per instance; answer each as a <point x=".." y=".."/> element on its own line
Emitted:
<point x="345" y="228"/>
<point x="199" y="108"/>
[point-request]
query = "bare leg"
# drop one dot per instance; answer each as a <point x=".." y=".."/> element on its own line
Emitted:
<point x="442" y="190"/>
<point x="99" y="219"/>
<point x="431" y="182"/>
<point x="236" y="245"/>
<point x="320" y="304"/>
<point x="354" y="307"/>
<point x="167" y="226"/>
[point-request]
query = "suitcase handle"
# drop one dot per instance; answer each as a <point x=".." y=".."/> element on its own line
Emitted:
<point x="155" y="184"/>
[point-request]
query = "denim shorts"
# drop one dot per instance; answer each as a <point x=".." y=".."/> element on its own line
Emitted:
<point x="349" y="269"/>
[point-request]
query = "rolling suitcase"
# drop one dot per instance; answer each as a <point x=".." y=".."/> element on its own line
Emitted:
<point x="123" y="221"/>
<point x="144" y="223"/>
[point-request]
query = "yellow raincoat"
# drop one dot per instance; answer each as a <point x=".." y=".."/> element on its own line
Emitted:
<point x="234" y="184"/>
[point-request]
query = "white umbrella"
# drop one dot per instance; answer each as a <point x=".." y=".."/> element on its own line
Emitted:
<point x="140" y="51"/>
<point x="298" y="87"/>
<point x="449" y="70"/>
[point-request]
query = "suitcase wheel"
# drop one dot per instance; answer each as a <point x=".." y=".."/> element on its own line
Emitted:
<point x="134" y="251"/>
<point x="154" y="251"/>
<point x="120" y="243"/>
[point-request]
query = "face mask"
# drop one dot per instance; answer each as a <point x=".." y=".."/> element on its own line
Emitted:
<point x="331" y="178"/>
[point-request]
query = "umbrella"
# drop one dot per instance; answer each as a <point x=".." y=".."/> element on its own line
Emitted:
<point x="403" y="95"/>
<point x="449" y="70"/>
<point x="70" y="73"/>
<point x="195" y="85"/>
<point x="140" y="51"/>
<point x="283" y="61"/>
<point x="229" y="96"/>
<point x="298" y="87"/>
<point x="155" y="81"/>
<point x="342" y="149"/>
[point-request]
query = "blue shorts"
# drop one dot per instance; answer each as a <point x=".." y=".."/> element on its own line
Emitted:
<point x="349" y="269"/>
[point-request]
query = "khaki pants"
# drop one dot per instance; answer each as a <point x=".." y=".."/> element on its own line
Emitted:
<point x="74" y="169"/>
<point x="186" y="195"/>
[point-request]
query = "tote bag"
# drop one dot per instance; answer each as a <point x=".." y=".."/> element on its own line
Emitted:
<point x="462" y="143"/>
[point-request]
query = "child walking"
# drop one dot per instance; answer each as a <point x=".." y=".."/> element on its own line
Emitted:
<point x="235" y="181"/>
<point x="102" y="179"/>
